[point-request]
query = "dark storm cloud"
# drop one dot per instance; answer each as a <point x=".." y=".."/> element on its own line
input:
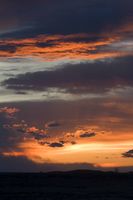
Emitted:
<point x="128" y="154"/>
<point x="78" y="78"/>
<point x="61" y="16"/>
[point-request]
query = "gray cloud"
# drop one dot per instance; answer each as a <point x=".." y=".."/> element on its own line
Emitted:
<point x="128" y="154"/>
<point x="78" y="78"/>
<point x="22" y="164"/>
<point x="52" y="124"/>
<point x="39" y="136"/>
<point x="56" y="144"/>
<point x="9" y="137"/>
<point x="87" y="135"/>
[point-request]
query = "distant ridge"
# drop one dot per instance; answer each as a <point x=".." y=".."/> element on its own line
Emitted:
<point x="68" y="185"/>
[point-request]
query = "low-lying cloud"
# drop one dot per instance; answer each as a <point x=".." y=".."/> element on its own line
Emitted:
<point x="128" y="154"/>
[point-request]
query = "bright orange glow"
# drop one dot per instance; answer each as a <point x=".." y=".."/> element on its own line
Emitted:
<point x="103" y="149"/>
<point x="101" y="153"/>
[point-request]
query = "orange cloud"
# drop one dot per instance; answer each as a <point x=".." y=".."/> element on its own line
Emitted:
<point x="9" y="111"/>
<point x="54" y="47"/>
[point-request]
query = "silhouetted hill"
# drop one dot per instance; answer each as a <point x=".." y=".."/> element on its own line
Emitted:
<point x="71" y="185"/>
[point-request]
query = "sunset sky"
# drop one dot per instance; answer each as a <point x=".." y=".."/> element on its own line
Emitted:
<point x="66" y="85"/>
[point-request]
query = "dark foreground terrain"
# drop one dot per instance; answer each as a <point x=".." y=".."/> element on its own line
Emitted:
<point x="85" y="185"/>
